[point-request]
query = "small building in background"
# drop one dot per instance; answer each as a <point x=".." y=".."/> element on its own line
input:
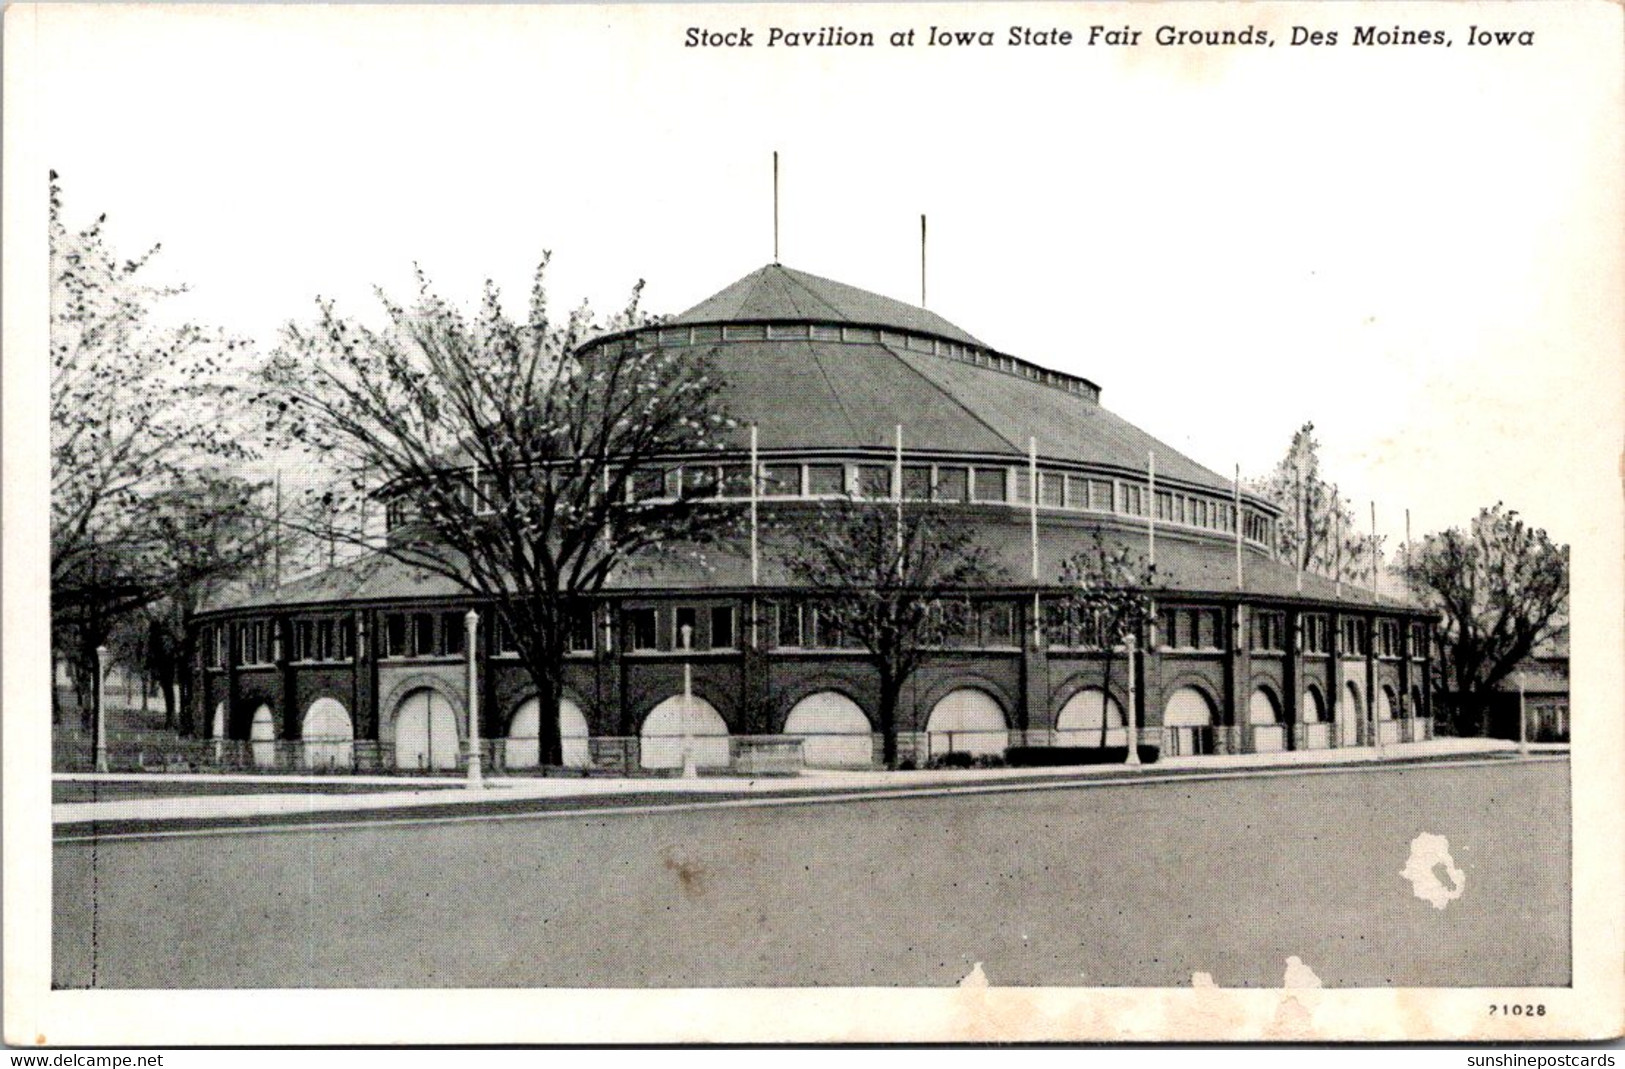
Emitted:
<point x="1545" y="676"/>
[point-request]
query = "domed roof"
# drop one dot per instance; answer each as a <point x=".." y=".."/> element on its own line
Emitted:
<point x="776" y="293"/>
<point x="819" y="364"/>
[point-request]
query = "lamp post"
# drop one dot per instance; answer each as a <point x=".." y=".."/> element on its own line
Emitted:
<point x="690" y="769"/>
<point x="1133" y="718"/>
<point x="1523" y="722"/>
<point x="471" y="631"/>
<point x="99" y="696"/>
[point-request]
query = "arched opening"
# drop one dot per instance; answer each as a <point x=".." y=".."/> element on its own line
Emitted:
<point x="680" y="723"/>
<point x="425" y="731"/>
<point x="217" y="729"/>
<point x="262" y="738"/>
<point x="966" y="721"/>
<point x="1317" y="733"/>
<point x="1264" y="716"/>
<point x="1314" y="710"/>
<point x="522" y="748"/>
<point x="1386" y="726"/>
<point x="1187" y="723"/>
<point x="1416" y="715"/>
<point x="329" y="737"/>
<point x="1081" y="719"/>
<point x="834" y="731"/>
<point x="1261" y="708"/>
<point x="1350" y="711"/>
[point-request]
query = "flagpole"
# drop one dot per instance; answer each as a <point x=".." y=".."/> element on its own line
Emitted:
<point x="755" y="556"/>
<point x="1032" y="505"/>
<point x="1376" y="559"/>
<point x="1303" y="538"/>
<point x="775" y="206"/>
<point x="922" y="260"/>
<point x="1151" y="507"/>
<point x="1337" y="540"/>
<point x="897" y="492"/>
<point x="1238" y="526"/>
<point x="755" y="478"/>
<point x="276" y="543"/>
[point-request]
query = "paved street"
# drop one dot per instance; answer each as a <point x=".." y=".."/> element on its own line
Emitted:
<point x="1101" y="884"/>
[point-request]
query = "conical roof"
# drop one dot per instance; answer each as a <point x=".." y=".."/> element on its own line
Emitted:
<point x="779" y="293"/>
<point x="819" y="393"/>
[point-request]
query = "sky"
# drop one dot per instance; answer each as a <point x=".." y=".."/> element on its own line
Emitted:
<point x="1408" y="247"/>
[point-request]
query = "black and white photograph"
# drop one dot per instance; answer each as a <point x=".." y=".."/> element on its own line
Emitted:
<point x="807" y="523"/>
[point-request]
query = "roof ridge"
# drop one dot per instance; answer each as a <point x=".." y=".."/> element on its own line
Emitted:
<point x="950" y="395"/>
<point x="823" y="372"/>
<point x="790" y="274"/>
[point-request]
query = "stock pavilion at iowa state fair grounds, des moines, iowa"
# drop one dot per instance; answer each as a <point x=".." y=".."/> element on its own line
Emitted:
<point x="363" y="666"/>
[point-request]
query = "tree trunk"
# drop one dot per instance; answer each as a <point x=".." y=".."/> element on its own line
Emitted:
<point x="549" y="692"/>
<point x="1105" y="698"/>
<point x="889" y="692"/>
<point x="168" y="688"/>
<point x="83" y="688"/>
<point x="186" y="725"/>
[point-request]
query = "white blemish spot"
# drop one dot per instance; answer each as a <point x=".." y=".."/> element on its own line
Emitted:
<point x="1298" y="975"/>
<point x="1428" y="853"/>
<point x="1202" y="979"/>
<point x="975" y="978"/>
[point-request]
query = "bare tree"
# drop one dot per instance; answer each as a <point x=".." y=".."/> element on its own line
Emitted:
<point x="1319" y="530"/>
<point x="517" y="463"/>
<point x="1108" y="594"/>
<point x="881" y="573"/>
<point x="1502" y="588"/>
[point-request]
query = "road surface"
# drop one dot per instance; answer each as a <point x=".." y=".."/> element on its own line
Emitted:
<point x="1098" y="885"/>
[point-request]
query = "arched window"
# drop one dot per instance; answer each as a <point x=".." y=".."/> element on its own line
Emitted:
<point x="681" y="724"/>
<point x="1188" y="707"/>
<point x="1350" y="711"/>
<point x="262" y="738"/>
<point x="836" y="734"/>
<point x="328" y="735"/>
<point x="1080" y="720"/>
<point x="1264" y="716"/>
<point x="967" y="721"/>
<point x="1314" y="710"/>
<point x="1187" y="722"/>
<point x="522" y="749"/>
<point x="1262" y="709"/>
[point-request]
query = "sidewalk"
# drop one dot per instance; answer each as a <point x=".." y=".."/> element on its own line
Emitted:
<point x="327" y="795"/>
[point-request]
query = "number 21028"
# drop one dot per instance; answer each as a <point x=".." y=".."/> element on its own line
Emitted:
<point x="1527" y="1009"/>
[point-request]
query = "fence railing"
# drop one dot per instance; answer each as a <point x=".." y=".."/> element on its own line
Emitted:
<point x="74" y="751"/>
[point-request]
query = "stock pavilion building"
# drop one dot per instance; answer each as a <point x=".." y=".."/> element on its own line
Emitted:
<point x="365" y="665"/>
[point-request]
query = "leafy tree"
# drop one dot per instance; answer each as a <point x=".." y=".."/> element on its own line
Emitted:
<point x="1108" y="594"/>
<point x="515" y="461"/>
<point x="216" y="535"/>
<point x="143" y="416"/>
<point x="881" y="574"/>
<point x="1314" y="515"/>
<point x="1502" y="588"/>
